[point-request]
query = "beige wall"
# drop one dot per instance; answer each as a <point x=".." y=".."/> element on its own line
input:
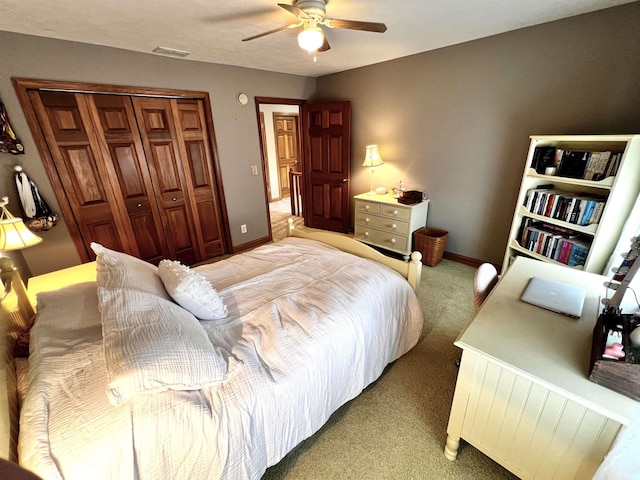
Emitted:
<point x="236" y="126"/>
<point x="456" y="121"/>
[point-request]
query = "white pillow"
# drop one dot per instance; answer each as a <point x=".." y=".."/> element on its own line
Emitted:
<point x="191" y="290"/>
<point x="119" y="270"/>
<point x="152" y="345"/>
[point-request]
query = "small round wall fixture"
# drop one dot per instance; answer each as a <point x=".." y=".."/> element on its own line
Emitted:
<point x="243" y="99"/>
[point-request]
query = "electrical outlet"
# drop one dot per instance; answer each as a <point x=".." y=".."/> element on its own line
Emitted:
<point x="243" y="228"/>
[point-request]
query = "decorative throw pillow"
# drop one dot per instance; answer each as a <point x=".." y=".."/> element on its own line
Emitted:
<point x="119" y="270"/>
<point x="152" y="345"/>
<point x="191" y="290"/>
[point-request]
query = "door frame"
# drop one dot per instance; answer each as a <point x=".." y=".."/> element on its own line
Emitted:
<point x="22" y="86"/>
<point x="265" y="167"/>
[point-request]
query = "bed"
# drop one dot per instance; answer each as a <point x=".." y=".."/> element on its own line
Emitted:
<point x="306" y="327"/>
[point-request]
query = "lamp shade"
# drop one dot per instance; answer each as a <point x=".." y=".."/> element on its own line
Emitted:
<point x="311" y="38"/>
<point x="372" y="157"/>
<point x="14" y="234"/>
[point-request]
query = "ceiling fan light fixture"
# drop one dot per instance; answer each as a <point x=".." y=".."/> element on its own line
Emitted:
<point x="311" y="38"/>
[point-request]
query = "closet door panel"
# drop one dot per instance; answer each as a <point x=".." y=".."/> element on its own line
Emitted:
<point x="149" y="243"/>
<point x="118" y="130"/>
<point x="107" y="232"/>
<point x="136" y="173"/>
<point x="206" y="209"/>
<point x="158" y="133"/>
<point x="197" y="157"/>
<point x="177" y="221"/>
<point x="79" y="167"/>
<point x="67" y="127"/>
<point x="167" y="172"/>
<point x="197" y="163"/>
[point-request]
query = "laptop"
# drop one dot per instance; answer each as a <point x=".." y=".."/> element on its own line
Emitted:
<point x="555" y="296"/>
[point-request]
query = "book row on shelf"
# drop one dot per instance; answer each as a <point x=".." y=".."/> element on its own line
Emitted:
<point x="579" y="209"/>
<point x="586" y="165"/>
<point x="560" y="244"/>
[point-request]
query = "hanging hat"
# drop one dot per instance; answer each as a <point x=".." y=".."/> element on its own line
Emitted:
<point x="38" y="214"/>
<point x="9" y="143"/>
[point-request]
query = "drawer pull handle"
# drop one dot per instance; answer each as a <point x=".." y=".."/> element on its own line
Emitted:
<point x="394" y="226"/>
<point x="174" y="199"/>
<point x="395" y="212"/>
<point x="366" y="207"/>
<point x="366" y="220"/>
<point x="366" y="234"/>
<point x="139" y="205"/>
<point x="393" y="240"/>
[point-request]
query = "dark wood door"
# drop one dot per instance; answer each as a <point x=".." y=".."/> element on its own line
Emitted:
<point x="159" y="138"/>
<point x="196" y="157"/>
<point x="65" y="120"/>
<point x="133" y="168"/>
<point x="327" y="165"/>
<point x="118" y="134"/>
<point x="287" y="151"/>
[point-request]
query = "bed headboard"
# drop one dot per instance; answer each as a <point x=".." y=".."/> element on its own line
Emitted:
<point x="409" y="270"/>
<point x="15" y="313"/>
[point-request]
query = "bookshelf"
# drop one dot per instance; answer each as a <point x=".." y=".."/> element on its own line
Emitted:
<point x="616" y="187"/>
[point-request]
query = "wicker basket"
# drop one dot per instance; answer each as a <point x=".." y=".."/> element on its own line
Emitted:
<point x="430" y="242"/>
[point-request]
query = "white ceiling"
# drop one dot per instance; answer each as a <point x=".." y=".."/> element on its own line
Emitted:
<point x="212" y="30"/>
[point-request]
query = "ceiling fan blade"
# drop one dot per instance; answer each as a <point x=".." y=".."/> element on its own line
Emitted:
<point x="293" y="25"/>
<point x="293" y="10"/>
<point x="355" y="25"/>
<point x="325" y="45"/>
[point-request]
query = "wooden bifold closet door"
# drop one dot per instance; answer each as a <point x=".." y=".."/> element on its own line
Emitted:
<point x="136" y="172"/>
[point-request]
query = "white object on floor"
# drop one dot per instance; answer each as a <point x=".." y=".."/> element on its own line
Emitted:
<point x="623" y="462"/>
<point x="484" y="280"/>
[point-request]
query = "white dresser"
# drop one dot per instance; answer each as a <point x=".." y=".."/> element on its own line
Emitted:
<point x="523" y="396"/>
<point x="383" y="222"/>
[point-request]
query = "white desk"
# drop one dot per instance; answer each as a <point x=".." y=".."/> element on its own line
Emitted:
<point x="523" y="396"/>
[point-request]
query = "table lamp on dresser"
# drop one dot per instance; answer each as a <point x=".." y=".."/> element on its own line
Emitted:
<point x="372" y="159"/>
<point x="14" y="235"/>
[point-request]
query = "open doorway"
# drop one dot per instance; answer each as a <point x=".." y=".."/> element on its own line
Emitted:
<point x="279" y="122"/>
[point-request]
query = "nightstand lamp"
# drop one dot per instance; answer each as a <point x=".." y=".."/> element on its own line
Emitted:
<point x="14" y="235"/>
<point x="372" y="159"/>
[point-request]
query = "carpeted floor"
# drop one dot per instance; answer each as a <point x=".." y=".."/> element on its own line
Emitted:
<point x="396" y="429"/>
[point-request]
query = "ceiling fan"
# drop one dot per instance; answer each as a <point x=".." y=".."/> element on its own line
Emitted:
<point x="311" y="14"/>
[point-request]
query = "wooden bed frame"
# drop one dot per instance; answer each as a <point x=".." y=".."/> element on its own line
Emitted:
<point x="410" y="270"/>
<point x="17" y="310"/>
<point x="15" y="314"/>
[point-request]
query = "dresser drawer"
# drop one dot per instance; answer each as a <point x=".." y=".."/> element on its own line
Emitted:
<point x="395" y="211"/>
<point x="383" y="223"/>
<point x="367" y="207"/>
<point x="386" y="240"/>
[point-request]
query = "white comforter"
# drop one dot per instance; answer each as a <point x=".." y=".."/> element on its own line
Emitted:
<point x="309" y="327"/>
